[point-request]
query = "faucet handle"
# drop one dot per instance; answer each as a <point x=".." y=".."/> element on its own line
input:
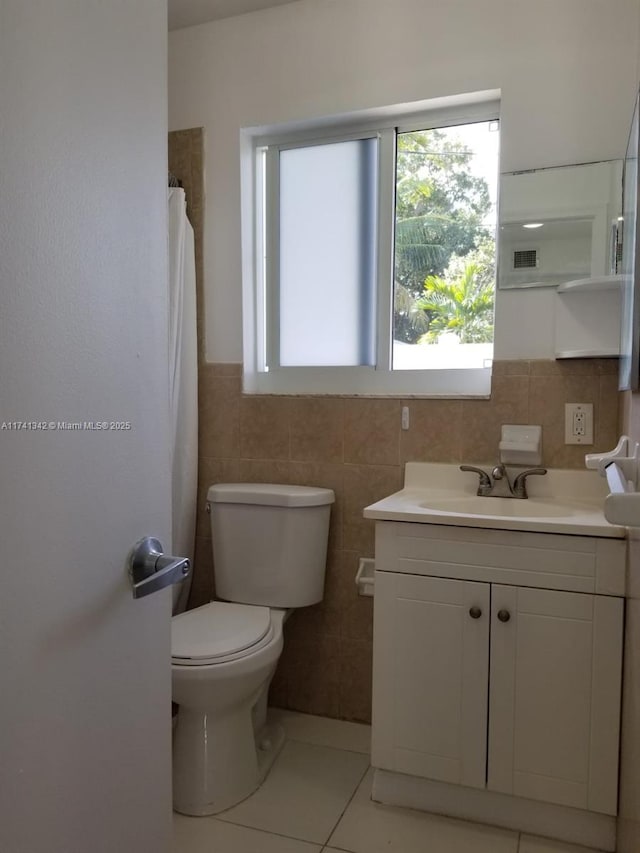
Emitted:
<point x="520" y="482"/>
<point x="484" y="486"/>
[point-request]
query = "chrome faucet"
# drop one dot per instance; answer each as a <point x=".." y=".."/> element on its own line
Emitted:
<point x="520" y="482"/>
<point x="498" y="484"/>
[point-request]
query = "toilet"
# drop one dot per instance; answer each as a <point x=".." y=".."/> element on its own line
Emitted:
<point x="270" y="553"/>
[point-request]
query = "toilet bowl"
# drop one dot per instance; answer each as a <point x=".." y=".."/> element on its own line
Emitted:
<point x="270" y="544"/>
<point x="219" y="757"/>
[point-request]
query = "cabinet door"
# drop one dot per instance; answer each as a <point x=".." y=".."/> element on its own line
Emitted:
<point x="554" y="700"/>
<point x="430" y="677"/>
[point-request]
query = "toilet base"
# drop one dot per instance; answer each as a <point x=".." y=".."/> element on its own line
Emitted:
<point x="217" y="766"/>
<point x="268" y="745"/>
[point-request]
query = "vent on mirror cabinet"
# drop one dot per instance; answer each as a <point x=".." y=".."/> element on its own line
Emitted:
<point x="525" y="259"/>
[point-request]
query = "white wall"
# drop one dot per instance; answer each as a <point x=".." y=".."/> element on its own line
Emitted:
<point x="567" y="71"/>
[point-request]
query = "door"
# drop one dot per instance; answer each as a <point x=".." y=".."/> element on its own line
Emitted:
<point x="555" y="696"/>
<point x="84" y="430"/>
<point x="430" y="677"/>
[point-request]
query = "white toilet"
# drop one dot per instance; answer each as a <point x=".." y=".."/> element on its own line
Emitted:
<point x="270" y="552"/>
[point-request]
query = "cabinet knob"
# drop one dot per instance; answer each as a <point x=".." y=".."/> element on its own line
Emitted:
<point x="475" y="613"/>
<point x="504" y="615"/>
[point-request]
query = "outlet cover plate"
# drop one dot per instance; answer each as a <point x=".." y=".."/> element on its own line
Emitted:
<point x="578" y="423"/>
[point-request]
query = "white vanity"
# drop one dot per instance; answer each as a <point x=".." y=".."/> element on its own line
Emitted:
<point x="498" y="634"/>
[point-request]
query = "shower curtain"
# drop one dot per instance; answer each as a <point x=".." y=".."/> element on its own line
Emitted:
<point x="183" y="384"/>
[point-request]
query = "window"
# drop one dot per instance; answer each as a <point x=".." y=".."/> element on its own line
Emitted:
<point x="327" y="259"/>
<point x="374" y="257"/>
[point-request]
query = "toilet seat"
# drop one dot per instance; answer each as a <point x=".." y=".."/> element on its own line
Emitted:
<point x="219" y="632"/>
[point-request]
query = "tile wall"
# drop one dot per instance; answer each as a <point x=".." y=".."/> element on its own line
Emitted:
<point x="356" y="447"/>
<point x="185" y="149"/>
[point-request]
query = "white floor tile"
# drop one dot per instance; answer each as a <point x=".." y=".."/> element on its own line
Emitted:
<point x="323" y="731"/>
<point x="208" y="835"/>
<point x="531" y="844"/>
<point x="304" y="795"/>
<point x="368" y="827"/>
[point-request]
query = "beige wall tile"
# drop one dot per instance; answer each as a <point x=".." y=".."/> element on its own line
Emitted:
<point x="312" y="670"/>
<point x="186" y="161"/>
<point x="363" y="485"/>
<point x="347" y="613"/>
<point x="607" y="423"/>
<point x="372" y="432"/>
<point x="356" y="611"/>
<point x="212" y="471"/>
<point x="608" y="366"/>
<point x="630" y="414"/>
<point x="264" y="428"/>
<point x="327" y="476"/>
<point x="482" y="419"/>
<point x="225" y="369"/>
<point x="202" y="585"/>
<point x="355" y="680"/>
<point x="219" y="415"/>
<point x="518" y="367"/>
<point x="263" y="471"/>
<point x="624" y="409"/>
<point x="548" y="395"/>
<point x="435" y="431"/>
<point x="574" y="367"/>
<point x="317" y="429"/>
<point x="325" y="617"/>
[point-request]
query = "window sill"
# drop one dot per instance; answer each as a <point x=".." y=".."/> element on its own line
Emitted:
<point x="368" y="382"/>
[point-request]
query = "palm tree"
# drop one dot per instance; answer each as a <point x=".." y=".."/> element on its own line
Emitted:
<point x="409" y="320"/>
<point x="463" y="306"/>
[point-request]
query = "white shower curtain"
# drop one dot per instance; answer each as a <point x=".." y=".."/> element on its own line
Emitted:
<point x="183" y="383"/>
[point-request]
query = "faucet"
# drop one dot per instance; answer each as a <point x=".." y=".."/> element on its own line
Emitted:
<point x="520" y="482"/>
<point x="498" y="485"/>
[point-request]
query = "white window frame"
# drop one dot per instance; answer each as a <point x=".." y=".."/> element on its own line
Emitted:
<point x="261" y="313"/>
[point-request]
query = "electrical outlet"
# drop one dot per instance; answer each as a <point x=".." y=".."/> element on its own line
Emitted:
<point x="405" y="417"/>
<point x="578" y="423"/>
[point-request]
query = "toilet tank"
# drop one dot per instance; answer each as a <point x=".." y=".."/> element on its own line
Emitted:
<point x="269" y="542"/>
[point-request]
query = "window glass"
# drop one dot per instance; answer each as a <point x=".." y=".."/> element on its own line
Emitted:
<point x="445" y="231"/>
<point x="327" y="257"/>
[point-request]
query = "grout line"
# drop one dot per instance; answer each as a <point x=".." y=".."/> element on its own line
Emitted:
<point x="342" y="813"/>
<point x="266" y="831"/>
<point x="328" y="746"/>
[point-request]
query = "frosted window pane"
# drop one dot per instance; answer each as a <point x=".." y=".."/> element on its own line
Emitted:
<point x="327" y="254"/>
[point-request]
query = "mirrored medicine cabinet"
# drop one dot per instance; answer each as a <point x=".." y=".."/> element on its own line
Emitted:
<point x="560" y="225"/>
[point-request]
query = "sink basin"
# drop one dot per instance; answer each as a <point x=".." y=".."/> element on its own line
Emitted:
<point x="560" y="502"/>
<point x="504" y="507"/>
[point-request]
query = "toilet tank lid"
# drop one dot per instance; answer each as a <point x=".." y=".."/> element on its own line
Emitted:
<point x="269" y="494"/>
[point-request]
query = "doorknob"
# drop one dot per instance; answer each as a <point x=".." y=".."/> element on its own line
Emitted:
<point x="150" y="569"/>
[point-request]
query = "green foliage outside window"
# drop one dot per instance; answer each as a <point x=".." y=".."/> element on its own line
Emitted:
<point x="445" y="254"/>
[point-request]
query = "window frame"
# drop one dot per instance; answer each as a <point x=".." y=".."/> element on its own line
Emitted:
<point x="260" y="239"/>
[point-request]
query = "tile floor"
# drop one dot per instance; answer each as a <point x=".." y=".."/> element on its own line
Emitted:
<point x="317" y="798"/>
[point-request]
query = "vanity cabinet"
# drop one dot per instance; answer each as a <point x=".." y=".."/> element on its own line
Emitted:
<point x="497" y="661"/>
